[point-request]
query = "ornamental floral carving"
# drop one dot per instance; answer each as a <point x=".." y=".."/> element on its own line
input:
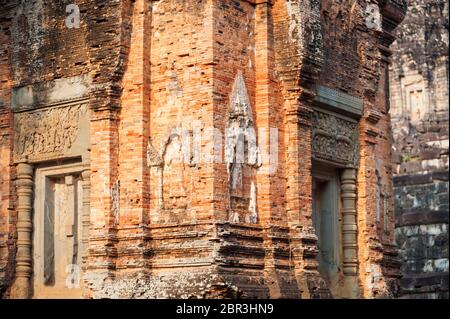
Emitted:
<point x="334" y="139"/>
<point x="48" y="132"/>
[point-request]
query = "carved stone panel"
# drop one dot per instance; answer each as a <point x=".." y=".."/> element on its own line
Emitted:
<point x="51" y="132"/>
<point x="334" y="139"/>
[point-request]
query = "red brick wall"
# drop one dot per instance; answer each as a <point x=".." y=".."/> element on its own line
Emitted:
<point x="8" y="216"/>
<point x="159" y="67"/>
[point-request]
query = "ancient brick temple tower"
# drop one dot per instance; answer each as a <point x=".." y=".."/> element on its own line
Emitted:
<point x="207" y="148"/>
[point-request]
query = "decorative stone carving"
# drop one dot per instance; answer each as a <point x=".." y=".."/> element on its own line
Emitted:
<point x="334" y="139"/>
<point x="242" y="156"/>
<point x="47" y="133"/>
<point x="22" y="287"/>
<point x="85" y="218"/>
<point x="153" y="158"/>
<point x="349" y="226"/>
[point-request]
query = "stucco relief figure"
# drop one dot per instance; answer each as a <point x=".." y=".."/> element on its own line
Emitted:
<point x="170" y="173"/>
<point x="381" y="197"/>
<point x="155" y="163"/>
<point x="174" y="192"/>
<point x="242" y="156"/>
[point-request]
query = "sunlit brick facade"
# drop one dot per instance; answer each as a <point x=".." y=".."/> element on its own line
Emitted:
<point x="208" y="149"/>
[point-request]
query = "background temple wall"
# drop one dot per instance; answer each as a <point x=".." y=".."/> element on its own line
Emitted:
<point x="419" y="110"/>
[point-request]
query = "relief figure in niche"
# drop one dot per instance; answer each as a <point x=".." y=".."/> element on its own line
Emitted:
<point x="416" y="105"/>
<point x="155" y="163"/>
<point x="170" y="174"/>
<point x="174" y="192"/>
<point x="382" y="212"/>
<point x="242" y="156"/>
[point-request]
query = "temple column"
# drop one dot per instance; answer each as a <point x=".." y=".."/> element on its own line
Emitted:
<point x="85" y="223"/>
<point x="22" y="286"/>
<point x="349" y="227"/>
<point x="85" y="215"/>
<point x="349" y="233"/>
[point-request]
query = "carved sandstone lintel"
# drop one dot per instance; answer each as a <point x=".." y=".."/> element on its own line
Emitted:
<point x="21" y="288"/>
<point x="334" y="139"/>
<point x="47" y="133"/>
<point x="349" y="227"/>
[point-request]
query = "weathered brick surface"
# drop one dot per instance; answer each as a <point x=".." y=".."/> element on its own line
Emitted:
<point x="8" y="216"/>
<point x="162" y="72"/>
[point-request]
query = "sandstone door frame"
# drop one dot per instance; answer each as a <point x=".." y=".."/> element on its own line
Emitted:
<point x="329" y="175"/>
<point x="41" y="175"/>
<point x="51" y="132"/>
<point x="335" y="143"/>
<point x="347" y="225"/>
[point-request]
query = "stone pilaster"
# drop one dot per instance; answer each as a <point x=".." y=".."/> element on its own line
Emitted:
<point x="22" y="286"/>
<point x="349" y="227"/>
<point x="349" y="234"/>
<point x="85" y="213"/>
